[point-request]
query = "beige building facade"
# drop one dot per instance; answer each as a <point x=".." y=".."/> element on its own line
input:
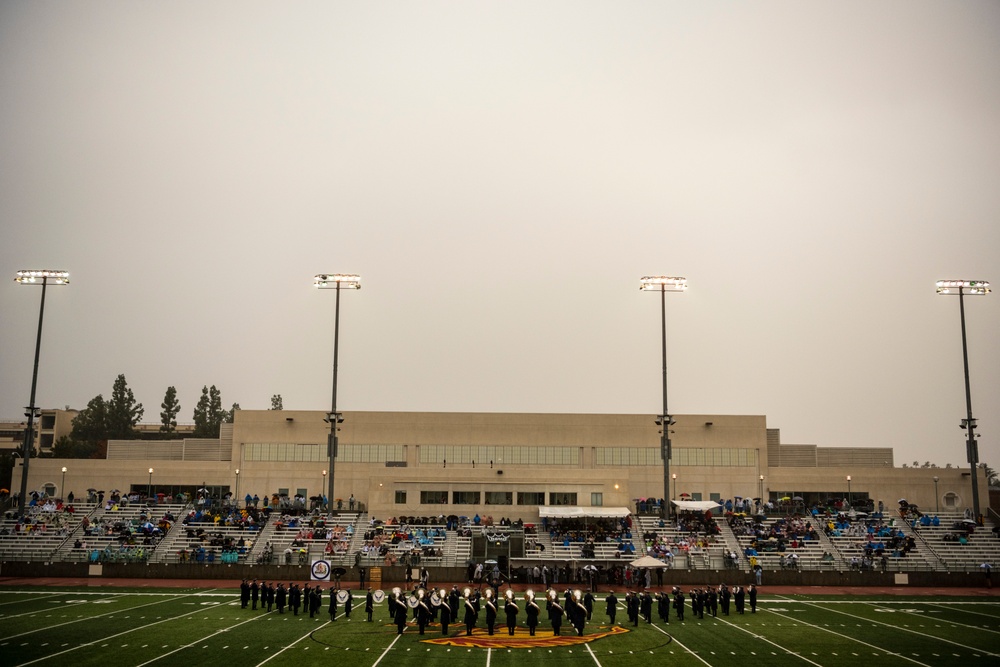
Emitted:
<point x="503" y="464"/>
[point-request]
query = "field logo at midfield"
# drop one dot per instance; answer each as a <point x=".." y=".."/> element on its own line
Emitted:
<point x="521" y="639"/>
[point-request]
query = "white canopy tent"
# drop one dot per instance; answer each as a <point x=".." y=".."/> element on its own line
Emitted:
<point x="696" y="505"/>
<point x="574" y="512"/>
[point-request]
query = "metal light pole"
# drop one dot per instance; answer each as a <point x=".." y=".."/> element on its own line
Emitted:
<point x="36" y="277"/>
<point x="760" y="490"/>
<point x="850" y="497"/>
<point x="322" y="488"/>
<point x="237" y="494"/>
<point x="972" y="288"/>
<point x="149" y="485"/>
<point x="337" y="282"/>
<point x="62" y="485"/>
<point x="937" y="498"/>
<point x="674" y="494"/>
<point x="664" y="284"/>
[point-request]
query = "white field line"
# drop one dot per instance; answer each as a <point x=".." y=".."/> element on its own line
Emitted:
<point x="894" y="627"/>
<point x="946" y="605"/>
<point x="305" y="636"/>
<point x="675" y="640"/>
<point x="205" y="638"/>
<point x="384" y="653"/>
<point x="88" y="618"/>
<point x="22" y="601"/>
<point x="104" y="639"/>
<point x="765" y="639"/>
<point x="591" y="652"/>
<point x="489" y="656"/>
<point x="977" y="628"/>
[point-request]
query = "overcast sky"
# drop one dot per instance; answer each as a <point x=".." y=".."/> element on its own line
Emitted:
<point x="501" y="174"/>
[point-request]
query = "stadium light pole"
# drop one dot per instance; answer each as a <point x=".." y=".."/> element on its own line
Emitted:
<point x="149" y="484"/>
<point x="42" y="277"/>
<point x="664" y="284"/>
<point x="972" y="288"/>
<point x="62" y="486"/>
<point x="237" y="494"/>
<point x="338" y="282"/>
<point x="850" y="497"/>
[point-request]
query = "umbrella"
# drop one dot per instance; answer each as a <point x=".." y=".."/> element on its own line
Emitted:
<point x="902" y="501"/>
<point x="590" y="568"/>
<point x="339" y="571"/>
<point x="685" y="495"/>
<point x="490" y="562"/>
<point x="203" y="490"/>
<point x="798" y="498"/>
<point x="647" y="561"/>
<point x="786" y="498"/>
<point x="969" y="521"/>
<point x="91" y="490"/>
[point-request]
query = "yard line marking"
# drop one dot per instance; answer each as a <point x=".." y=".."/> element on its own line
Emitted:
<point x="198" y="641"/>
<point x="28" y="599"/>
<point x="901" y="629"/>
<point x="305" y="636"/>
<point x="87" y="618"/>
<point x="591" y="652"/>
<point x="46" y="657"/>
<point x="489" y="656"/>
<point x="964" y="625"/>
<point x="675" y="641"/>
<point x="384" y="653"/>
<point x="881" y="649"/>
<point x="946" y="605"/>
<point x="775" y="644"/>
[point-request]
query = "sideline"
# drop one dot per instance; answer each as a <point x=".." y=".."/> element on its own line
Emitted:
<point x="26" y="600"/>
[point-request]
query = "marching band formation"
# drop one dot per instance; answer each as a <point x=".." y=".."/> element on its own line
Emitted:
<point x="432" y="606"/>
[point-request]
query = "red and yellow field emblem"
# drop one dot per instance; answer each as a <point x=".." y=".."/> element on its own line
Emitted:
<point x="521" y="639"/>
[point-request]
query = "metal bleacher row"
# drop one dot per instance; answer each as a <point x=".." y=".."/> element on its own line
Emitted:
<point x="139" y="532"/>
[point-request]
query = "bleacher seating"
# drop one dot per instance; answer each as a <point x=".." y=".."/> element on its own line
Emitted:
<point x="45" y="529"/>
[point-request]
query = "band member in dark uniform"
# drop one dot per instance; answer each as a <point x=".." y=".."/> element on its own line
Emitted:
<point x="244" y="594"/>
<point x="399" y="611"/>
<point x="510" y="609"/>
<point x="663" y="607"/>
<point x="724" y="596"/>
<point x="612" y="601"/>
<point x="369" y="605"/>
<point x="348" y="604"/>
<point x="423" y="610"/>
<point x="333" y="604"/>
<point x="471" y="612"/>
<point x="577" y="613"/>
<point x="491" y="611"/>
<point x="445" y="611"/>
<point x="280" y="598"/>
<point x="254" y="593"/>
<point x="647" y="607"/>
<point x="753" y="599"/>
<point x="555" y="613"/>
<point x="588" y="603"/>
<point x="632" y="605"/>
<point x="531" y="610"/>
<point x="738" y="598"/>
<point x="294" y="598"/>
<point x="679" y="603"/>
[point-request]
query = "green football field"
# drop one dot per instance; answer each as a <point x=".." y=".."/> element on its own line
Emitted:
<point x="122" y="627"/>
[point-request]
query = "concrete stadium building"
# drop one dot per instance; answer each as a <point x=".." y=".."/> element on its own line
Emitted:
<point x="503" y="465"/>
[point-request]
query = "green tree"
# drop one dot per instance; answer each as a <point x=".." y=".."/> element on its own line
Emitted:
<point x="91" y="424"/>
<point x="123" y="412"/>
<point x="171" y="407"/>
<point x="208" y="414"/>
<point x="231" y="413"/>
<point x="992" y="478"/>
<point x="276" y="402"/>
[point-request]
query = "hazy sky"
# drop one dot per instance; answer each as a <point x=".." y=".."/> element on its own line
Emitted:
<point x="501" y="174"/>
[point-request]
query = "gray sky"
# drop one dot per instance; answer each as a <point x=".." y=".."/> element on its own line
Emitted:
<point x="501" y="174"/>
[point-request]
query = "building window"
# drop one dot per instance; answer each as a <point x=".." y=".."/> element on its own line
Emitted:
<point x="562" y="498"/>
<point x="498" y="455"/>
<point x="433" y="497"/>
<point x="530" y="497"/>
<point x="400" y="497"/>
<point x="499" y="498"/>
<point x="465" y="497"/>
<point x="597" y="499"/>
